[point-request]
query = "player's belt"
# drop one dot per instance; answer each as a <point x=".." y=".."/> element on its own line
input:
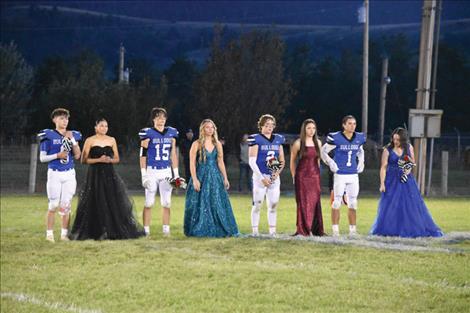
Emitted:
<point x="61" y="169"/>
<point x="156" y="167"/>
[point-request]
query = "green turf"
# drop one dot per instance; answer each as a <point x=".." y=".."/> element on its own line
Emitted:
<point x="180" y="274"/>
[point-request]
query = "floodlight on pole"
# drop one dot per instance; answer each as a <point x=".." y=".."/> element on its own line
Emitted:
<point x="361" y="15"/>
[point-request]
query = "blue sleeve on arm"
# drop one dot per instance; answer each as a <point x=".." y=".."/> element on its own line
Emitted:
<point x="143" y="133"/>
<point x="45" y="145"/>
<point x="330" y="139"/>
<point x="252" y="140"/>
<point x="77" y="135"/>
<point x="42" y="135"/>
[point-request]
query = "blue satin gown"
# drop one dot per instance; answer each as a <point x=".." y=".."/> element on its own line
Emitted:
<point x="208" y="213"/>
<point x="402" y="211"/>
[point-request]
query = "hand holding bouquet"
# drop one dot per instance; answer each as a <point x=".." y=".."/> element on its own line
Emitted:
<point x="274" y="166"/>
<point x="177" y="182"/>
<point x="67" y="145"/>
<point x="405" y="164"/>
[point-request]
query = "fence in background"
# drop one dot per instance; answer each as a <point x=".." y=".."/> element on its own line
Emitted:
<point x="16" y="164"/>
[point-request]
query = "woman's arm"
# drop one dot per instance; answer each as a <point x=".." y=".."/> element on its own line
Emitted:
<point x="86" y="151"/>
<point x="412" y="154"/>
<point x="221" y="164"/>
<point x="115" y="158"/>
<point x="383" y="169"/>
<point x="192" y="165"/>
<point x="319" y="146"/>
<point x="294" y="151"/>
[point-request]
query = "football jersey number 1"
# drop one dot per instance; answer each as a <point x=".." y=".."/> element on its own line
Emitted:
<point x="349" y="158"/>
<point x="165" y="152"/>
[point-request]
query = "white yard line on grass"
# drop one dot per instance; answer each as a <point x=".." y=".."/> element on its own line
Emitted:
<point x="62" y="307"/>
<point x="443" y="284"/>
<point x="390" y="243"/>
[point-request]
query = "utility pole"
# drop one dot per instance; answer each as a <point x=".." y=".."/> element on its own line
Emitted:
<point x="435" y="54"/>
<point x="122" y="50"/>
<point x="383" y="95"/>
<point x="365" y="68"/>
<point x="33" y="168"/>
<point x="424" y="80"/>
<point x="433" y="88"/>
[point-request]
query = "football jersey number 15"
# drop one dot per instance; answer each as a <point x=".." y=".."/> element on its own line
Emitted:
<point x="164" y="153"/>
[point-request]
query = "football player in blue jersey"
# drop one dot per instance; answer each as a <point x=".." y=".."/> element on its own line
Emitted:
<point x="265" y="147"/>
<point x="59" y="147"/>
<point x="158" y="163"/>
<point x="347" y="162"/>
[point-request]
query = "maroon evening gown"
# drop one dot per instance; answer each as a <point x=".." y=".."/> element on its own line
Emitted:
<point x="307" y="194"/>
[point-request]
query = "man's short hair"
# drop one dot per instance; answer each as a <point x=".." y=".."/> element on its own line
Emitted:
<point x="346" y="118"/>
<point x="264" y="118"/>
<point x="156" y="112"/>
<point x="59" y="112"/>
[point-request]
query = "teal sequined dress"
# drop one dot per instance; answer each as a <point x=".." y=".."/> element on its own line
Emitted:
<point x="208" y="213"/>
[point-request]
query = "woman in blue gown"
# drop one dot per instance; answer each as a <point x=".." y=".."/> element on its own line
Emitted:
<point x="402" y="211"/>
<point x="208" y="212"/>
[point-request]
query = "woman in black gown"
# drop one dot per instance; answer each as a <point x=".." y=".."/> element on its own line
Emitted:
<point x="104" y="209"/>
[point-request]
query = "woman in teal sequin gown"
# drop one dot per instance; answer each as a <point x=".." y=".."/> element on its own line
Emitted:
<point x="208" y="212"/>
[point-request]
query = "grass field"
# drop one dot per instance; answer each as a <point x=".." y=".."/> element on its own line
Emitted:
<point x="180" y="274"/>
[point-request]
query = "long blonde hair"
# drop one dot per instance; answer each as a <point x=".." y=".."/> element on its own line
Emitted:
<point x="202" y="139"/>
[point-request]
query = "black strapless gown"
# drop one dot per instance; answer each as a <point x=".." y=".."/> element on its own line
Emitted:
<point x="104" y="209"/>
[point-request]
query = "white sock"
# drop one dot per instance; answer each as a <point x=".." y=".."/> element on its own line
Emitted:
<point x="147" y="230"/>
<point x="272" y="219"/>
<point x="50" y="232"/>
<point x="64" y="232"/>
<point x="255" y="230"/>
<point x="335" y="228"/>
<point x="166" y="229"/>
<point x="352" y="228"/>
<point x="272" y="230"/>
<point x="254" y="218"/>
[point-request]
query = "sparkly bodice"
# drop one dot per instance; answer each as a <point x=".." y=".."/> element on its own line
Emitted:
<point x="308" y="164"/>
<point x="208" y="213"/>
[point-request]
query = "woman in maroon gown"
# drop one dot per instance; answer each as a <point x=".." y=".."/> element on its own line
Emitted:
<point x="306" y="178"/>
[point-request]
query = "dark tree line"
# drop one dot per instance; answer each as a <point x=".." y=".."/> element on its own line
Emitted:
<point x="242" y="81"/>
<point x="245" y="76"/>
